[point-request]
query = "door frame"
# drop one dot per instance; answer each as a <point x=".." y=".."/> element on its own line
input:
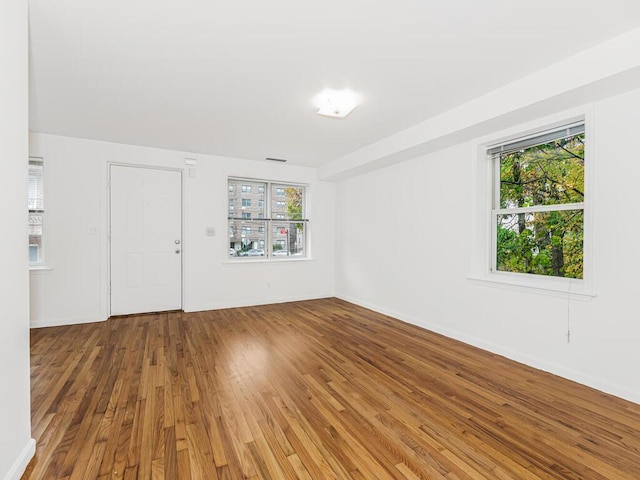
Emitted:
<point x="182" y="224"/>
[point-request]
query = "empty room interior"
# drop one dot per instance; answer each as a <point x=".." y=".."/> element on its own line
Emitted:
<point x="341" y="240"/>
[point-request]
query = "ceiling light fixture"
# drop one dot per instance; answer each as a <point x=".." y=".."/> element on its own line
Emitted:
<point x="336" y="103"/>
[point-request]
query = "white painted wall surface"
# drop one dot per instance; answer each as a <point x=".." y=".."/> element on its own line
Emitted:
<point x="405" y="236"/>
<point x="73" y="288"/>
<point x="16" y="445"/>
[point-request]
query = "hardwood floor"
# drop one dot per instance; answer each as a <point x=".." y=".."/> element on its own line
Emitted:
<point x="311" y="390"/>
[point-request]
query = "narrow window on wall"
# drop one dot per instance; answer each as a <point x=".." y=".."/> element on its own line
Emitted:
<point x="35" y="205"/>
<point x="253" y="232"/>
<point x="538" y="204"/>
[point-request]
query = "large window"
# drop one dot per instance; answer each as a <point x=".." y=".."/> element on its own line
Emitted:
<point x="35" y="204"/>
<point x="538" y="204"/>
<point x="272" y="222"/>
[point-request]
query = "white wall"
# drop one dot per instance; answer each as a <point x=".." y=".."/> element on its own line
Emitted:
<point x="405" y="247"/>
<point x="73" y="287"/>
<point x="16" y="446"/>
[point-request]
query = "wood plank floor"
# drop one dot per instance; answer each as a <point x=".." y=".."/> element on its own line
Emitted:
<point x="311" y="390"/>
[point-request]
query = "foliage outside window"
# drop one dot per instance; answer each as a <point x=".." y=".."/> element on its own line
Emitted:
<point x="36" y="209"/>
<point x="538" y="205"/>
<point x="280" y="225"/>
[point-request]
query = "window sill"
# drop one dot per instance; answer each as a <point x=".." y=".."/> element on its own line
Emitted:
<point x="267" y="261"/>
<point x="39" y="268"/>
<point x="540" y="286"/>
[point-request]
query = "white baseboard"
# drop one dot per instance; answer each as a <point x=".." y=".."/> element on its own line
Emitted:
<point x="270" y="301"/>
<point x="56" y="322"/>
<point x="535" y="362"/>
<point x="19" y="466"/>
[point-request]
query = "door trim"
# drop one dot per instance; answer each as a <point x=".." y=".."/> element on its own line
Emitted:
<point x="182" y="225"/>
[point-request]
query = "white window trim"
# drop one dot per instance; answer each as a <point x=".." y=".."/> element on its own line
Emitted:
<point x="39" y="268"/>
<point x="269" y="257"/>
<point x="271" y="261"/>
<point x="483" y="257"/>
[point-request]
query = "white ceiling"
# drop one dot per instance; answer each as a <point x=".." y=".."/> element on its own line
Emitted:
<point x="236" y="78"/>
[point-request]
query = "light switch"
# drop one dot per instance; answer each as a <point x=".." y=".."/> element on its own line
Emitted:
<point x="211" y="232"/>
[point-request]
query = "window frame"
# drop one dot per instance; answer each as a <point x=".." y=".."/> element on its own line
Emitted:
<point x="496" y="211"/>
<point x="267" y="223"/>
<point x="41" y="248"/>
<point x="484" y="249"/>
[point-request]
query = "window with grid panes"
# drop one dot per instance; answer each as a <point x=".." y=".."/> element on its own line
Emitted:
<point x="253" y="232"/>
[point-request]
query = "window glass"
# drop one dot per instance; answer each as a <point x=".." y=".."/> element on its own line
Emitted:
<point x="246" y="238"/>
<point x="245" y="199"/>
<point x="291" y="206"/>
<point x="288" y="239"/>
<point x="547" y="174"/>
<point x="551" y="243"/>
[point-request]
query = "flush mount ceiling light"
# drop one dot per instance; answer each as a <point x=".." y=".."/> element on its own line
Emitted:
<point x="336" y="103"/>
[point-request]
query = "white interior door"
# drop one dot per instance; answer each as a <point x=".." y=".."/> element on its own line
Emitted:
<point x="146" y="240"/>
